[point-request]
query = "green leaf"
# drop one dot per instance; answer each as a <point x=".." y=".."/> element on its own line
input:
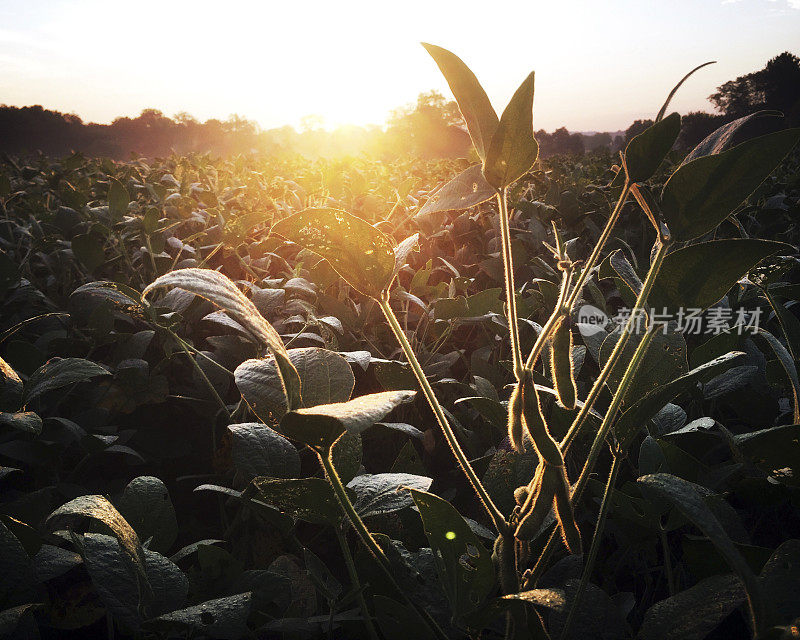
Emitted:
<point x="632" y="421"/>
<point x="10" y="387"/>
<point x="118" y="199"/>
<point x="117" y="587"/>
<point x="694" y="613"/>
<point x="308" y="499"/>
<point x="736" y="132"/>
<point x="773" y="449"/>
<point x="321" y="576"/>
<point x="385" y="492"/>
<point x="27" y="422"/>
<point x="464" y="565"/>
<point x="664" y="360"/>
<point x="220" y="290"/>
<point x="699" y="275"/>
<point x="320" y="426"/>
<point x="146" y="505"/>
<point x="223" y="618"/>
<point x="18" y="581"/>
<point x="706" y="190"/>
<point x="683" y="496"/>
<point x="60" y="372"/>
<point x="780" y="581"/>
<point x="257" y="450"/>
<point x="472" y="100"/>
<point x="325" y="377"/>
<point x="788" y="364"/>
<point x="360" y="253"/>
<point x="88" y="249"/>
<point x="119" y="296"/>
<point x="513" y="149"/>
<point x="468" y="189"/>
<point x="645" y="152"/>
<point x="100" y="509"/>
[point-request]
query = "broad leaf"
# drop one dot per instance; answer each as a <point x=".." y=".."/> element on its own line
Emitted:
<point x="10" y="387"/>
<point x="320" y="426"/>
<point x="224" y="618"/>
<point x="630" y="422"/>
<point x="257" y="450"/>
<point x="789" y="367"/>
<point x="682" y="495"/>
<point x="146" y="505"/>
<point x="118" y="199"/>
<point x="17" y="585"/>
<point x="464" y="565"/>
<point x="468" y="189"/>
<point x="325" y="377"/>
<point x="26" y="421"/>
<point x="706" y="190"/>
<point x="100" y="509"/>
<point x="694" y="613"/>
<point x="117" y="587"/>
<point x="220" y="290"/>
<point x="736" y="132"/>
<point x="645" y="152"/>
<point x="385" y="492"/>
<point x="472" y="100"/>
<point x="309" y="499"/>
<point x="699" y="275"/>
<point x="360" y="253"/>
<point x="60" y="372"/>
<point x="774" y="449"/>
<point x="780" y="581"/>
<point x="513" y="149"/>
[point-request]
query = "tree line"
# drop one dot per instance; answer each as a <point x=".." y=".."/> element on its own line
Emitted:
<point x="432" y="127"/>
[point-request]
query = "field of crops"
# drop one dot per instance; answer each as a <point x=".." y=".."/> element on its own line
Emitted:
<point x="181" y="338"/>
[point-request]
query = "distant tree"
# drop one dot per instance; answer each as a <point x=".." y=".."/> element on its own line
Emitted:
<point x="776" y="86"/>
<point x="433" y="127"/>
<point x="597" y="141"/>
<point x="636" y="128"/>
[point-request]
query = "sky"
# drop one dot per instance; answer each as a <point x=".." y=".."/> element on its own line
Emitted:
<point x="599" y="64"/>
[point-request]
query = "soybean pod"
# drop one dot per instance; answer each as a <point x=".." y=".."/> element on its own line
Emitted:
<point x="561" y="364"/>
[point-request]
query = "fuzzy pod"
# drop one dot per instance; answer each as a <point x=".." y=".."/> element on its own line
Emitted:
<point x="562" y="366"/>
<point x="521" y="495"/>
<point x="537" y="506"/>
<point x="516" y="430"/>
<point x="565" y="514"/>
<point x="536" y="426"/>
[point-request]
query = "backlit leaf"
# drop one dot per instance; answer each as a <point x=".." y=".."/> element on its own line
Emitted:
<point x="385" y="492"/>
<point x="513" y="149"/>
<point x="472" y="100"/>
<point x="706" y="190"/>
<point x="308" y="499"/>
<point x="320" y="426"/>
<point x="468" y="189"/>
<point x="220" y="290"/>
<point x="60" y="372"/>
<point x="462" y="562"/>
<point x="645" y="152"/>
<point x="360" y="253"/>
<point x="699" y="275"/>
<point x="257" y="450"/>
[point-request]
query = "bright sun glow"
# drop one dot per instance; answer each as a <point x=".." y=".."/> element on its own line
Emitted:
<point x="353" y="62"/>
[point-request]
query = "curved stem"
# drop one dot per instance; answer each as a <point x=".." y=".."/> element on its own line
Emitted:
<point x="549" y="327"/>
<point x="369" y="542"/>
<point x="597" y="387"/>
<point x="494" y="513"/>
<point x="351" y="571"/>
<point x="598" y="534"/>
<point x="511" y="291"/>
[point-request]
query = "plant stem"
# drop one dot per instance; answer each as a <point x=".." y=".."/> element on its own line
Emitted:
<point x="351" y="571"/>
<point x="559" y="312"/>
<point x="369" y="542"/>
<point x="598" y="534"/>
<point x="663" y="244"/>
<point x="597" y="387"/>
<point x="511" y="296"/>
<point x="667" y="559"/>
<point x="494" y="513"/>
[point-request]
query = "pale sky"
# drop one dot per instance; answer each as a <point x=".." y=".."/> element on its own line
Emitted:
<point x="599" y="64"/>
